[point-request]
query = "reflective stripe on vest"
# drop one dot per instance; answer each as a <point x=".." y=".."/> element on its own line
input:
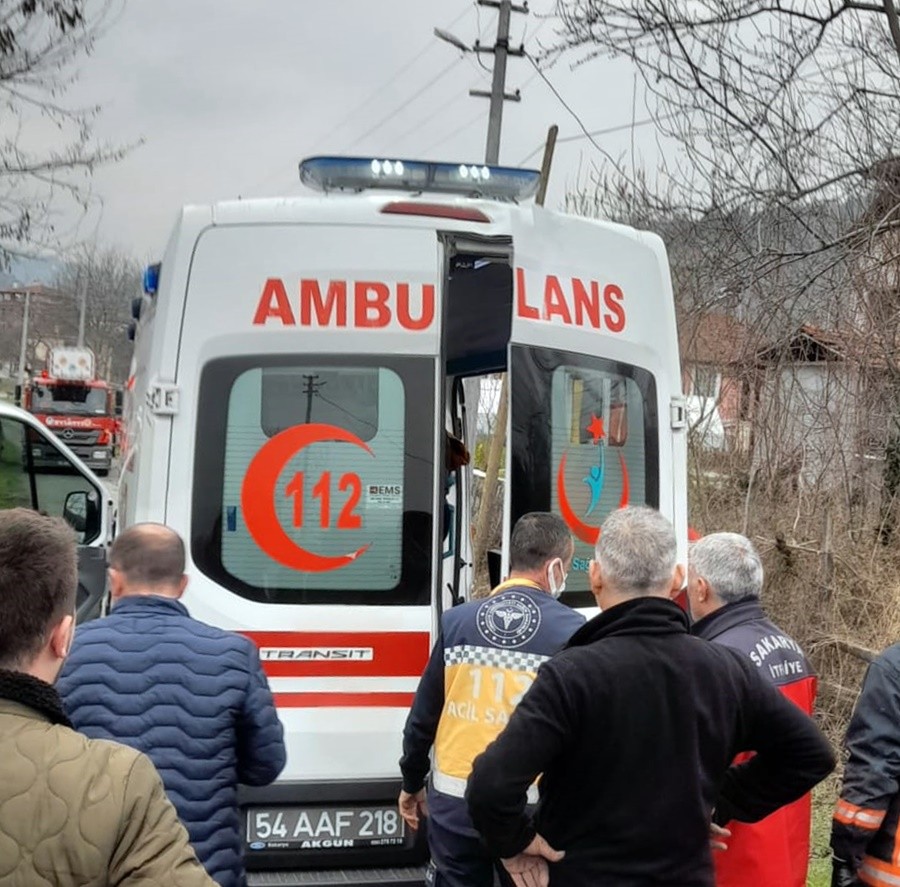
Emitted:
<point x="456" y="787"/>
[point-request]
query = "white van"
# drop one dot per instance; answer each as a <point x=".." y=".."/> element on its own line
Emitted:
<point x="294" y="365"/>
<point x="39" y="471"/>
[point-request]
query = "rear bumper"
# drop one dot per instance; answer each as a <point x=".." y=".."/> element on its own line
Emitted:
<point x="405" y="861"/>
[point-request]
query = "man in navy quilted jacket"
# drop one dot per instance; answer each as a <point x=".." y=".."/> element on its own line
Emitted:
<point x="192" y="697"/>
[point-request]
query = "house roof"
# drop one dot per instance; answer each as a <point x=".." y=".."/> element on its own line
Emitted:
<point x="809" y="344"/>
<point x="717" y="339"/>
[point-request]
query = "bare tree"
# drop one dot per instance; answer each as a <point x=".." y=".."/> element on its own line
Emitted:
<point x="47" y="151"/>
<point x="107" y="280"/>
<point x="777" y="189"/>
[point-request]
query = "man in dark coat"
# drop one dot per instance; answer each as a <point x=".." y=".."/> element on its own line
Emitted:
<point x="634" y="727"/>
<point x="192" y="697"/>
<point x="725" y="578"/>
<point x="866" y="820"/>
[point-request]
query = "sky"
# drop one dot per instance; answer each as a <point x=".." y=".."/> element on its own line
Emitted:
<point x="224" y="98"/>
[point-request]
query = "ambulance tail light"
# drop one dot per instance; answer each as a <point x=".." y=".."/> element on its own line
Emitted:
<point x="467" y="179"/>
<point x="435" y="210"/>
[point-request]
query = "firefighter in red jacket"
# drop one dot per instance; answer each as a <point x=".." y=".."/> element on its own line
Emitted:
<point x="865" y="831"/>
<point x="725" y="577"/>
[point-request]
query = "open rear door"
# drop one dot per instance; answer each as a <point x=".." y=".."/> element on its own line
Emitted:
<point x="594" y="380"/>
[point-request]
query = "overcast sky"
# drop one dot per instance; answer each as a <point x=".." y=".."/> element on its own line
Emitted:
<point x="228" y="96"/>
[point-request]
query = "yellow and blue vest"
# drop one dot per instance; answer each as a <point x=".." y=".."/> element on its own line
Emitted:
<point x="487" y="658"/>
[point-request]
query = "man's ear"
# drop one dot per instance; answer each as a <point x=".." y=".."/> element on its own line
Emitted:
<point x="61" y="637"/>
<point x="182" y="585"/>
<point x="677" y="581"/>
<point x="116" y="583"/>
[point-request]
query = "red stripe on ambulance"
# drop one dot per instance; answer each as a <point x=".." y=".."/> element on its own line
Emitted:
<point x="291" y="654"/>
<point x="343" y="700"/>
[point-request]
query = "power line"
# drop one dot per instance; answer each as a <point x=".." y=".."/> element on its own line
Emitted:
<point x="456" y="129"/>
<point x="586" y="134"/>
<point x="401" y="70"/>
<point x="600" y="132"/>
<point x="440" y="109"/>
<point x="442" y="73"/>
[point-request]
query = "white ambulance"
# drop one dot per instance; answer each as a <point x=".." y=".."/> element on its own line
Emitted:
<point x="296" y="362"/>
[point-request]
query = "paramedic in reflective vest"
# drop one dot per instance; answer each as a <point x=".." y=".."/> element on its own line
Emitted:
<point x="865" y="829"/>
<point x="483" y="663"/>
<point x="725" y="578"/>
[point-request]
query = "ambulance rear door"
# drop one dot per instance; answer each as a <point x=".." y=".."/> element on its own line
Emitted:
<point x="307" y="488"/>
<point x="595" y="419"/>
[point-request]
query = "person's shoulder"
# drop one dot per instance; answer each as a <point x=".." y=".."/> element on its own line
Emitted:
<point x="95" y="758"/>
<point x="215" y="634"/>
<point x="721" y="655"/>
<point x="888" y="661"/>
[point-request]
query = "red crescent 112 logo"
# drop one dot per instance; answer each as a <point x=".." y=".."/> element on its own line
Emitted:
<point x="260" y="488"/>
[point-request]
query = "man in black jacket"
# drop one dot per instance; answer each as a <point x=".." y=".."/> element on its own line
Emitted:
<point x="633" y="727"/>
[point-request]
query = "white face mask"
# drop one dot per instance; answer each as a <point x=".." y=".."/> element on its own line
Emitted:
<point x="556" y="590"/>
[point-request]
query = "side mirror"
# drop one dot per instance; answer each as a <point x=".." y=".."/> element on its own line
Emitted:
<point x="81" y="513"/>
<point x="119" y="401"/>
<point x="18" y="395"/>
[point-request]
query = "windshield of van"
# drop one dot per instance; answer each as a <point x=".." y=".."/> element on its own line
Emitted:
<point x="78" y="400"/>
<point x="314" y="479"/>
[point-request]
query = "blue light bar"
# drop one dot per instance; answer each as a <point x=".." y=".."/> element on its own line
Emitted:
<point x="466" y="179"/>
<point x="151" y="279"/>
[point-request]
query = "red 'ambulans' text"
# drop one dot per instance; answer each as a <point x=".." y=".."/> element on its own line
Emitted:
<point x="345" y="303"/>
<point x="572" y="301"/>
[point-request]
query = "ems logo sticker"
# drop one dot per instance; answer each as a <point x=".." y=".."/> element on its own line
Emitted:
<point x="510" y="620"/>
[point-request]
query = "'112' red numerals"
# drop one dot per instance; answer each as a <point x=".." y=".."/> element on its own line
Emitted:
<point x="348" y="519"/>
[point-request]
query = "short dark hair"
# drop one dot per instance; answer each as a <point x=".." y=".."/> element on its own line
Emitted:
<point x="148" y="554"/>
<point x="38" y="581"/>
<point x="537" y="538"/>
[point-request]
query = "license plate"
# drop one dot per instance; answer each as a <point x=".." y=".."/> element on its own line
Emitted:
<point x="323" y="828"/>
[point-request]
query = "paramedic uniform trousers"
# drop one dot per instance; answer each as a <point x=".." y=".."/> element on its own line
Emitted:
<point x="458" y="857"/>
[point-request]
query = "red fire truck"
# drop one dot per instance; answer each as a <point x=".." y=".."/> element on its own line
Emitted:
<point x="79" y="408"/>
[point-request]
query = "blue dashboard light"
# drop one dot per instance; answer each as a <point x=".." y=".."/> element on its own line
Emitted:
<point x="151" y="279"/>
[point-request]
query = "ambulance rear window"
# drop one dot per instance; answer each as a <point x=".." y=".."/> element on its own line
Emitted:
<point x="314" y="478"/>
<point x="345" y="396"/>
<point x="585" y="442"/>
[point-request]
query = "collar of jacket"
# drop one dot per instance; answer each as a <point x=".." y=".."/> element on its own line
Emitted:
<point x="727" y="617"/>
<point x="33" y="696"/>
<point x="150" y="603"/>
<point x="643" y="615"/>
<point x="520" y="584"/>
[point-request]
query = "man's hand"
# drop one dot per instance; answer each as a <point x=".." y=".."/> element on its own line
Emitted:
<point x="412" y="807"/>
<point x="717" y="837"/>
<point x="529" y="868"/>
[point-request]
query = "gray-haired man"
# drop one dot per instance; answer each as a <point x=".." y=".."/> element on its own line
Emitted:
<point x="725" y="578"/>
<point x="633" y="727"/>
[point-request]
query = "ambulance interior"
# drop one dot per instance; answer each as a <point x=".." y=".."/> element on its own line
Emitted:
<point x="477" y="323"/>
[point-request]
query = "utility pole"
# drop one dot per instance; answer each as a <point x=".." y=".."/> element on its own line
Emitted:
<point x="23" y="349"/>
<point x="312" y="388"/>
<point x="81" y="312"/>
<point x="501" y="50"/>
